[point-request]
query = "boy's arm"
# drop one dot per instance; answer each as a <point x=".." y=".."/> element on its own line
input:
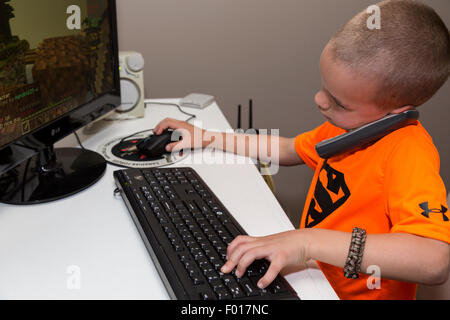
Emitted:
<point x="398" y="256"/>
<point x="265" y="148"/>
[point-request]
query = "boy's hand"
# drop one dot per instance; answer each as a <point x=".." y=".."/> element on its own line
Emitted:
<point x="282" y="250"/>
<point x="192" y="136"/>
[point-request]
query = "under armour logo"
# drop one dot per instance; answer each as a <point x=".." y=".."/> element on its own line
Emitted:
<point x="426" y="211"/>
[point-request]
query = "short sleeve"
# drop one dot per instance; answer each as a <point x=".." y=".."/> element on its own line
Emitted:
<point x="305" y="143"/>
<point x="416" y="195"/>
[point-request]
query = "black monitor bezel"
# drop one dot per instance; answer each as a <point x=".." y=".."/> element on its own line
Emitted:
<point x="57" y="129"/>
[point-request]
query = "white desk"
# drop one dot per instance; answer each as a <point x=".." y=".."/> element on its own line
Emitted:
<point x="87" y="246"/>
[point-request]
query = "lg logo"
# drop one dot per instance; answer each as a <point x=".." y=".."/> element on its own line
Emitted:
<point x="55" y="131"/>
<point x="73" y="22"/>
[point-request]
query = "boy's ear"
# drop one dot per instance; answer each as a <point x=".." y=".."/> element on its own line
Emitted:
<point x="402" y="109"/>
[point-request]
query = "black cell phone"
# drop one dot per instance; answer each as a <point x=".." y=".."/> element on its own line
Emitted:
<point x="366" y="134"/>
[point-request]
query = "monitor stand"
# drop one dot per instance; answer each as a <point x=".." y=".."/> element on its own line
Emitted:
<point x="50" y="175"/>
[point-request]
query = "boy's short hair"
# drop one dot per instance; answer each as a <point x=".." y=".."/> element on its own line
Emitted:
<point x="409" y="55"/>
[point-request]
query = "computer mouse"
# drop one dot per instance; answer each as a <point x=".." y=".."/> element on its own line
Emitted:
<point x="155" y="145"/>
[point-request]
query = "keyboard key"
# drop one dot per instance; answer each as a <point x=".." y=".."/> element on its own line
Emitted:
<point x="178" y="204"/>
<point x="227" y="240"/>
<point x="208" y="249"/>
<point x="178" y="247"/>
<point x="217" y="285"/>
<point x="203" y="207"/>
<point x="254" y="281"/>
<point x="215" y="223"/>
<point x="250" y="289"/>
<point x="197" y="280"/>
<point x="154" y="204"/>
<point x="205" y="195"/>
<point x="198" y="254"/>
<point x="195" y="276"/>
<point x="223" y="253"/>
<point x="190" y="204"/>
<point x="217" y="264"/>
<point x="203" y="263"/>
<point x="185" y="234"/>
<point x="252" y="271"/>
<point x="184" y="257"/>
<point x="236" y="291"/>
<point x="168" y="206"/>
<point x="212" y="276"/>
<point x="223" y="294"/>
<point x="206" y="296"/>
<point x="223" y="218"/>
<point x="190" y="243"/>
<point x="277" y="287"/>
<point x="232" y="229"/>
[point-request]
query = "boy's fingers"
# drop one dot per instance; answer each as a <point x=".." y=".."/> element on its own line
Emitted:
<point x="164" y="125"/>
<point x="241" y="245"/>
<point x="174" y="146"/>
<point x="227" y="267"/>
<point x="271" y="274"/>
<point x="247" y="259"/>
<point x="159" y="127"/>
<point x="239" y="240"/>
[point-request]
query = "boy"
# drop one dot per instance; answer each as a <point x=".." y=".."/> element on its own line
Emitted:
<point x="391" y="189"/>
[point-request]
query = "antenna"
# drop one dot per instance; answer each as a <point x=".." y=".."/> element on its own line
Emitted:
<point x="250" y="115"/>
<point x="239" y="117"/>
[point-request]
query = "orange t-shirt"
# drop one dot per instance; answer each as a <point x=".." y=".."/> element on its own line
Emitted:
<point x="392" y="185"/>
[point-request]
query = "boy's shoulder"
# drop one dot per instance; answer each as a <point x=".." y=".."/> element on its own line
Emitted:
<point x="412" y="135"/>
<point x="411" y="143"/>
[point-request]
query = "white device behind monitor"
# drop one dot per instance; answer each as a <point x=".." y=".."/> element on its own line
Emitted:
<point x="197" y="100"/>
<point x="131" y="65"/>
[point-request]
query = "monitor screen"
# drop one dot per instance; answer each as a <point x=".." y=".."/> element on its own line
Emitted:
<point x="55" y="56"/>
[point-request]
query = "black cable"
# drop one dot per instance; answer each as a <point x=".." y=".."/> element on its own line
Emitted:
<point x="79" y="141"/>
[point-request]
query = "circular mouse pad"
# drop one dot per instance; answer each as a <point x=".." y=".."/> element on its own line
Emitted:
<point x="118" y="152"/>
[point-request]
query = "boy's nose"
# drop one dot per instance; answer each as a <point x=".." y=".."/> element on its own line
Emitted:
<point x="321" y="101"/>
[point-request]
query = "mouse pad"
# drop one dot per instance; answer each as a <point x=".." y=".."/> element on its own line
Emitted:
<point x="117" y="152"/>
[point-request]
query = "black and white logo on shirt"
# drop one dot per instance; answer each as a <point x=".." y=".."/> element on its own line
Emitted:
<point x="324" y="201"/>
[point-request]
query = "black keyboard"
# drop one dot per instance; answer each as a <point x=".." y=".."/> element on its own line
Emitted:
<point x="186" y="230"/>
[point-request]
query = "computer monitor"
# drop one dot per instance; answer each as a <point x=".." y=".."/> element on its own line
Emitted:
<point x="58" y="72"/>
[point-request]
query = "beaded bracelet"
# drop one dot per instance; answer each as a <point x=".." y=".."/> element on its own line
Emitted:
<point x="355" y="254"/>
